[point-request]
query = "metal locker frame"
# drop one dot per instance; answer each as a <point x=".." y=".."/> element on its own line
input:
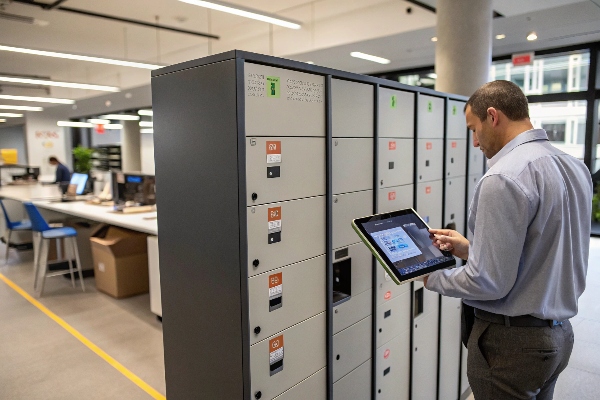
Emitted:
<point x="183" y="99"/>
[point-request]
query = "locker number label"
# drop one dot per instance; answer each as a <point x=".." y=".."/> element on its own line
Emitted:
<point x="275" y="285"/>
<point x="454" y="144"/>
<point x="386" y="354"/>
<point x="274" y="219"/>
<point x="392" y="145"/>
<point x="428" y="145"/>
<point x="393" y="101"/>
<point x="273" y="87"/>
<point x="428" y="190"/>
<point x="273" y="152"/>
<point x="391" y="196"/>
<point x="276" y="349"/>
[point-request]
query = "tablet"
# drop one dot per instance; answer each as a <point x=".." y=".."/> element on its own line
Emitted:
<point x="400" y="242"/>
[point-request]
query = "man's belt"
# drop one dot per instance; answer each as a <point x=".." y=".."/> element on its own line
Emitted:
<point x="527" y="321"/>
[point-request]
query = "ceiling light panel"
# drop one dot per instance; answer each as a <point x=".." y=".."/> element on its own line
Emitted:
<point x="21" y="108"/>
<point x="121" y="117"/>
<point x="37" y="99"/>
<point x="369" y="57"/>
<point x="246" y="12"/>
<point x="146" y="124"/>
<point x="68" y="56"/>
<point x="71" y="85"/>
<point x="99" y="121"/>
<point x="148" y="113"/>
<point x="147" y="130"/>
<point x="10" y="115"/>
<point x="75" y="124"/>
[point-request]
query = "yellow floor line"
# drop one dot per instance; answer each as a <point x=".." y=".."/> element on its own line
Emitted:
<point x="117" y="365"/>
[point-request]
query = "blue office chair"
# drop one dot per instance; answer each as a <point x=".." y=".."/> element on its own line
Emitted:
<point x="45" y="233"/>
<point x="23" y="225"/>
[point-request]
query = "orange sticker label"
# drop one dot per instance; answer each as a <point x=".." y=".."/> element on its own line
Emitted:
<point x="386" y="353"/>
<point x="274" y="214"/>
<point x="428" y="190"/>
<point x="274" y="147"/>
<point x="429" y="145"/>
<point x="388" y="295"/>
<point x="454" y="144"/>
<point x="392" y="145"/>
<point x="391" y="196"/>
<point x="276" y="343"/>
<point x="275" y="280"/>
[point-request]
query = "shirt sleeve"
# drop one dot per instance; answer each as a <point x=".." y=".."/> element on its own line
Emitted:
<point x="502" y="216"/>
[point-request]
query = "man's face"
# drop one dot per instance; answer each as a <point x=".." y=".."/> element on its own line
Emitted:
<point x="483" y="133"/>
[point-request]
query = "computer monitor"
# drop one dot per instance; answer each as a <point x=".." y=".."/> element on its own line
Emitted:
<point x="79" y="180"/>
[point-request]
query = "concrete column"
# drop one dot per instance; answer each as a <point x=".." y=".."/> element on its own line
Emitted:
<point x="463" y="52"/>
<point x="131" y="145"/>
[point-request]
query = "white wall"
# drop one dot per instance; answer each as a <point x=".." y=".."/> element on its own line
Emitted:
<point x="13" y="137"/>
<point x="147" y="145"/>
<point x="45" y="139"/>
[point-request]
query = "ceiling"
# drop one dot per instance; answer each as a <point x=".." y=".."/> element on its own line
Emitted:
<point x="331" y="29"/>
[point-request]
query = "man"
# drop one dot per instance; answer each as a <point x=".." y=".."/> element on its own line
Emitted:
<point x="527" y="263"/>
<point x="62" y="172"/>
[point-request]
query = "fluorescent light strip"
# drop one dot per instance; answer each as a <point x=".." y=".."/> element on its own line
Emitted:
<point x="59" y="84"/>
<point x="113" y="126"/>
<point x="369" y="57"/>
<point x="147" y="130"/>
<point x="37" y="99"/>
<point x="146" y="112"/>
<point x="12" y="115"/>
<point x="99" y="121"/>
<point x="2" y="120"/>
<point x="245" y="12"/>
<point x="146" y="124"/>
<point x="75" y="124"/>
<point x="21" y="108"/>
<point x="80" y="58"/>
<point x="121" y="117"/>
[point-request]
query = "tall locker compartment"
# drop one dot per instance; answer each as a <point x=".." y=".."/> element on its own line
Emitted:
<point x="352" y="111"/>
<point x="257" y="154"/>
<point x="476" y="168"/>
<point x="395" y="177"/>
<point x="429" y="195"/>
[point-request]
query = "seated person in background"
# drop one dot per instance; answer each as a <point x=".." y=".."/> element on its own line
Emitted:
<point x="63" y="175"/>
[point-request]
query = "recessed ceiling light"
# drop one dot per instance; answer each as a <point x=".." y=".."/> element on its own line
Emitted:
<point x="37" y="99"/>
<point x="10" y="115"/>
<point x="432" y="75"/>
<point x="2" y="120"/>
<point x="75" y="124"/>
<point x="500" y="36"/>
<point x="369" y="57"/>
<point x="121" y="117"/>
<point x="71" y="85"/>
<point x="434" y="39"/>
<point x="146" y="124"/>
<point x="146" y="112"/>
<point x="79" y="57"/>
<point x="245" y="12"/>
<point x="532" y="36"/>
<point x="21" y="108"/>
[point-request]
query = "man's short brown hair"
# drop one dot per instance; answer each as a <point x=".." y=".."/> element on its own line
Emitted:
<point x="504" y="96"/>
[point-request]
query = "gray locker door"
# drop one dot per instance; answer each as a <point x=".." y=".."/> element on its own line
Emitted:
<point x="351" y="348"/>
<point x="292" y="301"/>
<point x="352" y="165"/>
<point x="301" y="233"/>
<point x="476" y="158"/>
<point x="430" y="160"/>
<point x="280" y="168"/>
<point x="351" y="311"/>
<point x="395" y="198"/>
<point x="354" y="386"/>
<point x="393" y="317"/>
<point x="429" y="202"/>
<point x="393" y="368"/>
<point x="276" y="102"/>
<point x="425" y="356"/>
<point x="449" y="348"/>
<point x="464" y="380"/>
<point x="396" y="113"/>
<point x="456" y="158"/>
<point x="352" y="109"/>
<point x="387" y="288"/>
<point x="304" y="353"/>
<point x="314" y="387"/>
<point x="455" y="205"/>
<point x="347" y="207"/>
<point x="456" y="124"/>
<point x="396" y="162"/>
<point x="430" y="117"/>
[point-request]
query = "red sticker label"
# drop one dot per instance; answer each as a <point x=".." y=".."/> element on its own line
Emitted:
<point x="388" y="295"/>
<point x="275" y="280"/>
<point x="391" y="196"/>
<point x="453" y="145"/>
<point x="386" y="353"/>
<point x="429" y="145"/>
<point x="428" y="190"/>
<point x="274" y="213"/>
<point x="276" y="343"/>
<point x="274" y="147"/>
<point x="392" y="145"/>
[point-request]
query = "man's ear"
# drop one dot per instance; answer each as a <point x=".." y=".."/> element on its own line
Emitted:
<point x="493" y="115"/>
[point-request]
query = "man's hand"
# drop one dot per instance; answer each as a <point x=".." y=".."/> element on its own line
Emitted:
<point x="450" y="240"/>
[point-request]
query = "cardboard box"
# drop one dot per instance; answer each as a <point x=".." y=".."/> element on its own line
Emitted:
<point x="120" y="261"/>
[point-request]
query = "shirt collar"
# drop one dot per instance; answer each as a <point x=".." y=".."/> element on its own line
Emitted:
<point x="525" y="137"/>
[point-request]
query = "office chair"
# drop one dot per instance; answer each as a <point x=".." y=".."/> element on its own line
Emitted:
<point x="23" y="225"/>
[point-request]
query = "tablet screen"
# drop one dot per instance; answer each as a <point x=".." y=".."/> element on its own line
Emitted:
<point x="401" y="239"/>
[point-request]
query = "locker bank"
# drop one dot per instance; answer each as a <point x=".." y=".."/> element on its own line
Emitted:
<point x="283" y="155"/>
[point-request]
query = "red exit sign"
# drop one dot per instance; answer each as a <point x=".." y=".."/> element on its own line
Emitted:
<point x="519" y="59"/>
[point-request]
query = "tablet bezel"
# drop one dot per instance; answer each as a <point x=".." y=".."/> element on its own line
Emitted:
<point x="383" y="258"/>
